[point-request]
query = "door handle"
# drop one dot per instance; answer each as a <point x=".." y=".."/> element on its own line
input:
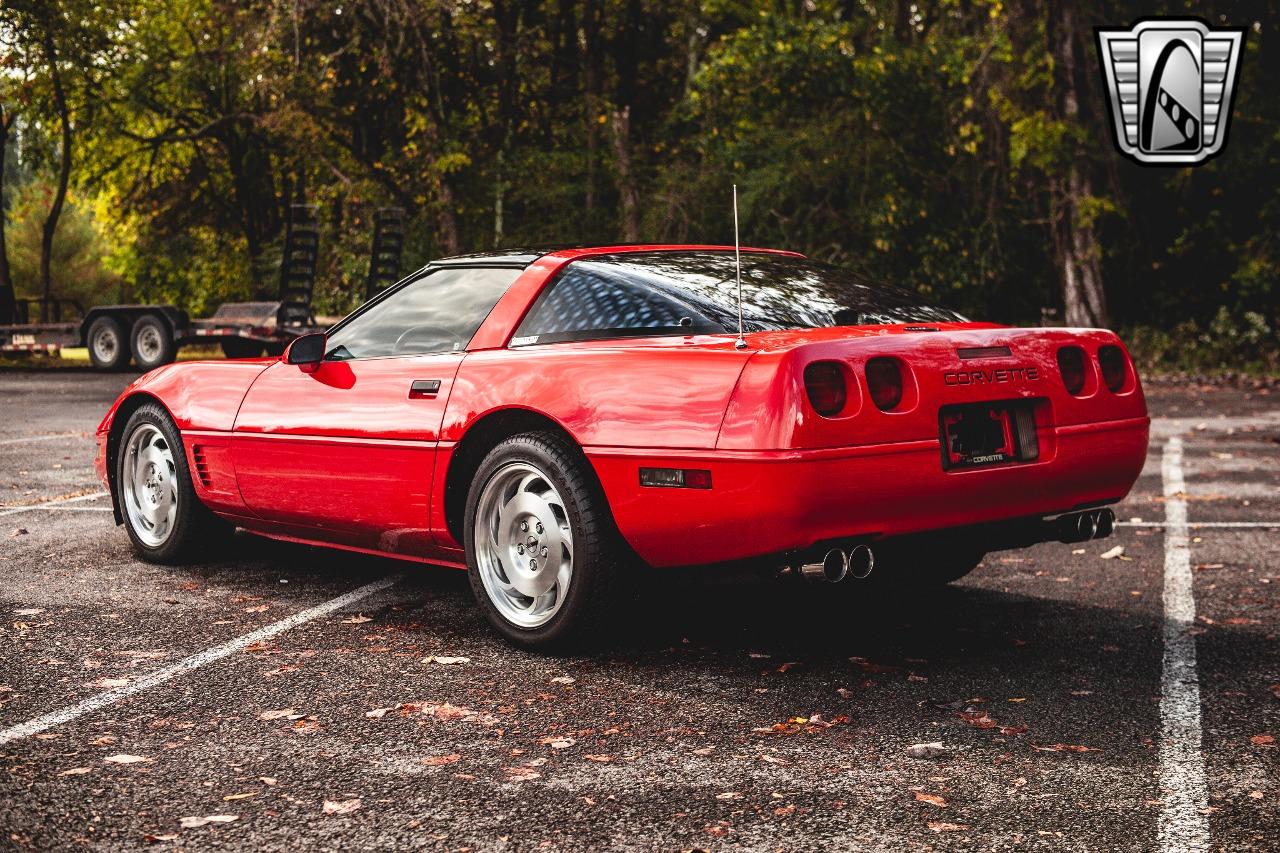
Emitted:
<point x="424" y="389"/>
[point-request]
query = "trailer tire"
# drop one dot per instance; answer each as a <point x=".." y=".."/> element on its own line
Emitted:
<point x="152" y="343"/>
<point x="107" y="344"/>
<point x="241" y="348"/>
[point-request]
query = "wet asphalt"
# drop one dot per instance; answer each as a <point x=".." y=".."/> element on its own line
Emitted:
<point x="735" y="714"/>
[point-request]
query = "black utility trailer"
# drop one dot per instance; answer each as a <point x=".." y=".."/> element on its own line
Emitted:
<point x="151" y="335"/>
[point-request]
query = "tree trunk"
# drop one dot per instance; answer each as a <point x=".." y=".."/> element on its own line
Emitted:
<point x="447" y="219"/>
<point x="1083" y="299"/>
<point x="626" y="180"/>
<point x="64" y="175"/>
<point x="8" y="299"/>
<point x="591" y="100"/>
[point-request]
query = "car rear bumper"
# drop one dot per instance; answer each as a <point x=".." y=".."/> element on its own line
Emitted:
<point x="783" y="502"/>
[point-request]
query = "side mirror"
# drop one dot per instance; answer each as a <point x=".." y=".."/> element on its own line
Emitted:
<point x="307" y="351"/>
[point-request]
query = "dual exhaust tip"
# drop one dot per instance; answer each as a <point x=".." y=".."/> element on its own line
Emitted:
<point x="838" y="564"/>
<point x="1081" y="527"/>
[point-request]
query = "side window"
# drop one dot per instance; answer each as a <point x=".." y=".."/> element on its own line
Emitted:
<point x="437" y="313"/>
<point x="591" y="301"/>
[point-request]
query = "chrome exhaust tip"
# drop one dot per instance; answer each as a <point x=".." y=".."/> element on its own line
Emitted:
<point x="1086" y="527"/>
<point x="861" y="561"/>
<point x="833" y="568"/>
<point x="1105" y="524"/>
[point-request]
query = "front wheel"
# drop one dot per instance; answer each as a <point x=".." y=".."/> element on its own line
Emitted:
<point x="164" y="518"/>
<point x="545" y="561"/>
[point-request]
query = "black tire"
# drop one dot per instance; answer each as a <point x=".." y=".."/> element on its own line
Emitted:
<point x="108" y="346"/>
<point x="241" y="348"/>
<point x="152" y="343"/>
<point x="195" y="530"/>
<point x="601" y="561"/>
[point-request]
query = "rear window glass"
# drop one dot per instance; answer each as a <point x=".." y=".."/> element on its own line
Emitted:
<point x="654" y="293"/>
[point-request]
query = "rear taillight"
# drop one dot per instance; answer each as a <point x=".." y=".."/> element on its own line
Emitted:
<point x="1071" y="368"/>
<point x="884" y="381"/>
<point x="824" y="383"/>
<point x="1115" y="372"/>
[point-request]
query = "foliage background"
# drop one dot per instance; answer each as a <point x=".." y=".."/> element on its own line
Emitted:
<point x="955" y="147"/>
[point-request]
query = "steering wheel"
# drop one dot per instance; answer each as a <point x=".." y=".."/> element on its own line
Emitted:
<point x="434" y="332"/>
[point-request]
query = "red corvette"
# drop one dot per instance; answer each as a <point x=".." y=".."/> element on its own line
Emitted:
<point x="556" y="422"/>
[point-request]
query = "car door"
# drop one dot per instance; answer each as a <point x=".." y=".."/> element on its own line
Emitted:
<point x="346" y="451"/>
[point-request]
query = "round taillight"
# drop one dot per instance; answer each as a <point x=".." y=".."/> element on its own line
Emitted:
<point x="884" y="381"/>
<point x="824" y="383"/>
<point x="1071" y="368"/>
<point x="1114" y="370"/>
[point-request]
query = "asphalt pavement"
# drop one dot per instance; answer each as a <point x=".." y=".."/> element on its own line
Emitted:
<point x="280" y="697"/>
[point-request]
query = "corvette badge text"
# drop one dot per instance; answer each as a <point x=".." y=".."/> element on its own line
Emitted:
<point x="1170" y="82"/>
<point x="978" y="377"/>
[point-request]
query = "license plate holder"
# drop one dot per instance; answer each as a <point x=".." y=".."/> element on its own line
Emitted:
<point x="976" y="435"/>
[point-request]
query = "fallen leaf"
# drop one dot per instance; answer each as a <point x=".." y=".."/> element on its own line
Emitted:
<point x="108" y="683"/>
<point x="261" y="608"/>
<point x="788" y="665"/>
<point x="277" y="714"/>
<point x="1112" y="553"/>
<point x="943" y="826"/>
<point x="602" y="759"/>
<point x="193" y="822"/>
<point x="76" y="771"/>
<point x="267" y="780"/>
<point x="1064" y="747"/>
<point x="521" y="773"/>
<point x="357" y="620"/>
<point x="342" y="806"/>
<point x="29" y="611"/>
<point x="928" y="750"/>
<point x="563" y="679"/>
<point x="706" y="750"/>
<point x="440" y="760"/>
<point x="729" y="795"/>
<point x="1255" y="795"/>
<point x="783" y="811"/>
<point x="152" y="838"/>
<point x="773" y="759"/>
<point x="445" y="661"/>
<point x="1013" y="730"/>
<point x="557" y="742"/>
<point x="931" y="799"/>
<point x="305" y="727"/>
<point x="18" y="531"/>
<point x="977" y="719"/>
<point x="1262" y="740"/>
<point x="246" y="795"/>
<point x="122" y="758"/>
<point x="378" y="713"/>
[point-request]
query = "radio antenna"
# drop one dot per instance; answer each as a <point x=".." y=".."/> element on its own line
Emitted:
<point x="741" y="343"/>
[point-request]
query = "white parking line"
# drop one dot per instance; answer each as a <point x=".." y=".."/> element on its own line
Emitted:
<point x="1197" y="524"/>
<point x="52" y="504"/>
<point x="159" y="676"/>
<point x="30" y="438"/>
<point x="1183" y="823"/>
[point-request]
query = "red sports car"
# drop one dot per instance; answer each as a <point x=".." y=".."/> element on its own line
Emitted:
<point x="557" y="422"/>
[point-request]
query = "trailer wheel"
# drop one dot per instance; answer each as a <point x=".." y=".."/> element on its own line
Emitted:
<point x="241" y="348"/>
<point x="153" y="345"/>
<point x="106" y="340"/>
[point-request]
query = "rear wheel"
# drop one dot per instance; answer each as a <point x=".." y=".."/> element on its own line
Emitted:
<point x="107" y="347"/>
<point x="152" y="344"/>
<point x="546" y="564"/>
<point x="165" y="520"/>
